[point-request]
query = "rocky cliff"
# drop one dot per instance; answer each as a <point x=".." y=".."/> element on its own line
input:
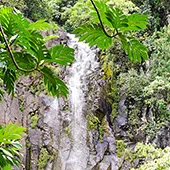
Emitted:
<point x="78" y="133"/>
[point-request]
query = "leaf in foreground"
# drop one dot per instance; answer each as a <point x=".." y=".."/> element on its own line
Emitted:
<point x="54" y="84"/>
<point x="93" y="35"/>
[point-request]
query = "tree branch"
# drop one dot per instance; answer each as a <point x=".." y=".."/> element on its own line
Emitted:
<point x="12" y="55"/>
<point x="101" y="22"/>
<point x="13" y="41"/>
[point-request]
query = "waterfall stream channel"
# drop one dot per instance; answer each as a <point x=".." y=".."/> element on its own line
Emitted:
<point x="76" y="157"/>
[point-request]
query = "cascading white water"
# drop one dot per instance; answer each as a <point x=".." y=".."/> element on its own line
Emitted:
<point x="85" y="63"/>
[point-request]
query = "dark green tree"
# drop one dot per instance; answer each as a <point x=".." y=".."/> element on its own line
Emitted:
<point x="37" y="9"/>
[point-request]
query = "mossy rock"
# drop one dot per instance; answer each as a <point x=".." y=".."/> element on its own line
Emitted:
<point x="43" y="158"/>
<point x="34" y="120"/>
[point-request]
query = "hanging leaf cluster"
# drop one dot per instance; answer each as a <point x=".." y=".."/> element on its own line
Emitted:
<point x="23" y="50"/>
<point x="114" y="23"/>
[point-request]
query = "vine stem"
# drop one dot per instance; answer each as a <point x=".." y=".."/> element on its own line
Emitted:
<point x="101" y="22"/>
<point x="12" y="55"/>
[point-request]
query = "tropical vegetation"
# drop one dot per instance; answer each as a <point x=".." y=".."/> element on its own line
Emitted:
<point x="135" y="59"/>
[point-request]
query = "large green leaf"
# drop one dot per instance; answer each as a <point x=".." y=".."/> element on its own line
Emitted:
<point x="1" y="93"/>
<point x="21" y="24"/>
<point x="10" y="145"/>
<point x="5" y="18"/>
<point x="40" y="25"/>
<point x="6" y="152"/>
<point x="54" y="84"/>
<point x="29" y="51"/>
<point x="116" y="17"/>
<point x="61" y="54"/>
<point x="102" y="8"/>
<point x="9" y="78"/>
<point x="25" y="60"/>
<point x="136" y="22"/>
<point x="32" y="44"/>
<point x="135" y="50"/>
<point x="11" y="132"/>
<point x="94" y="35"/>
<point x="6" y="166"/>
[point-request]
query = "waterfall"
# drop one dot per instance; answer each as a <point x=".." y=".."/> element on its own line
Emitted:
<point x="85" y="64"/>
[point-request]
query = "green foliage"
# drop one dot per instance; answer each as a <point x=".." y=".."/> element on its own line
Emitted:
<point x="120" y="148"/>
<point x="40" y="25"/>
<point x="93" y="34"/>
<point x="156" y="90"/>
<point x="32" y="9"/>
<point x="58" y="7"/>
<point x="135" y="50"/>
<point x="53" y="83"/>
<point x="93" y="122"/>
<point x="10" y="145"/>
<point x="61" y="54"/>
<point x="157" y="11"/>
<point x="147" y="89"/>
<point x="37" y="9"/>
<point x="118" y="24"/>
<point x="9" y="78"/>
<point x="136" y="22"/>
<point x="116" y="17"/>
<point x="76" y="15"/>
<point x="133" y="82"/>
<point x="23" y="51"/>
<point x="143" y="157"/>
<point x="152" y="158"/>
<point x="159" y="44"/>
<point x="20" y="5"/>
<point x="83" y="12"/>
<point x="34" y="120"/>
<point x="43" y="158"/>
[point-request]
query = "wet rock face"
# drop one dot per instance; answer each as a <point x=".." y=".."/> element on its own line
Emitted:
<point x="162" y="138"/>
<point x="50" y="141"/>
<point x="62" y="37"/>
<point x="122" y="117"/>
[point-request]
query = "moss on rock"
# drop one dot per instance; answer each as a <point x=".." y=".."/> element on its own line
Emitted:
<point x="43" y="158"/>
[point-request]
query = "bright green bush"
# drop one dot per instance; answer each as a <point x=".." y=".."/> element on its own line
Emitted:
<point x="143" y="157"/>
<point x="152" y="158"/>
<point x="81" y="11"/>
